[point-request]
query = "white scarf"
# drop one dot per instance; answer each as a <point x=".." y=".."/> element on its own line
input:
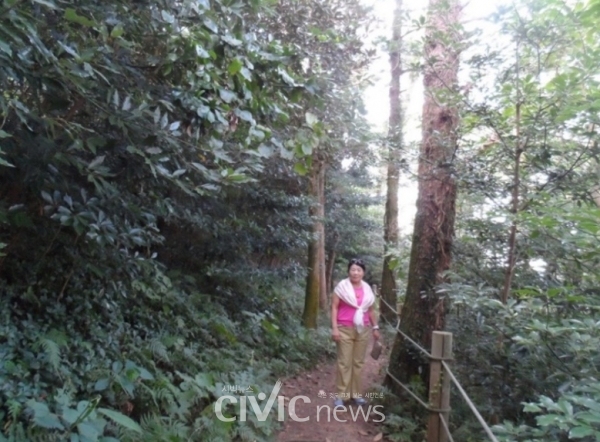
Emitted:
<point x="345" y="292"/>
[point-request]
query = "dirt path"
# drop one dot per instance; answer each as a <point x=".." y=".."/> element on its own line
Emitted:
<point x="321" y="382"/>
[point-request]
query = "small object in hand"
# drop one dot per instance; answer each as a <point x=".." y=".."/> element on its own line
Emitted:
<point x="376" y="350"/>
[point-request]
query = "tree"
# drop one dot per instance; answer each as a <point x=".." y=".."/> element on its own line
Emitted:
<point x="316" y="295"/>
<point x="423" y="310"/>
<point x="153" y="212"/>
<point x="390" y="235"/>
<point x="333" y="57"/>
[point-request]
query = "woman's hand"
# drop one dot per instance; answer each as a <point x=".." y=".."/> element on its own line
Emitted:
<point x="335" y="335"/>
<point x="376" y="334"/>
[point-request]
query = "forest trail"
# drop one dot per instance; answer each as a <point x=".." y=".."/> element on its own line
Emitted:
<point x="322" y="380"/>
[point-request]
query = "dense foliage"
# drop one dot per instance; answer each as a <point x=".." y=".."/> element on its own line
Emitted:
<point x="523" y="287"/>
<point x="153" y="211"/>
<point x="530" y="161"/>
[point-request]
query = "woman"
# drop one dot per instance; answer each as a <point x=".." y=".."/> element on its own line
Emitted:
<point x="352" y="314"/>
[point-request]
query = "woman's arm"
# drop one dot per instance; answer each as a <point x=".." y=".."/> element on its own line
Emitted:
<point x="335" y="304"/>
<point x="373" y="318"/>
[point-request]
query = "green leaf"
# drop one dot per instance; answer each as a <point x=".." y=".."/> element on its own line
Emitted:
<point x="127" y="103"/>
<point x="211" y="25"/>
<point x="286" y="154"/>
<point x="265" y="151"/>
<point x="307" y="148"/>
<point x="5" y="47"/>
<point x="101" y="384"/>
<point x="231" y="40"/>
<point x="166" y="16"/>
<point x="548" y="419"/>
<point x="286" y="77"/>
<point x="579" y="432"/>
<point x="51" y="421"/>
<point x="300" y="169"/>
<point x="145" y="374"/>
<point x="235" y="66"/>
<point x="117" y="31"/>
<point x="121" y="419"/>
<point x="88" y="431"/>
<point x="5" y="163"/>
<point x="72" y="16"/>
<point x="42" y="416"/>
<point x="244" y="115"/>
<point x="226" y="96"/>
<point x="311" y="119"/>
<point x="589" y="417"/>
<point x="96" y="162"/>
<point x="46" y="3"/>
<point x="201" y="52"/>
<point x="245" y="72"/>
<point x="70" y="415"/>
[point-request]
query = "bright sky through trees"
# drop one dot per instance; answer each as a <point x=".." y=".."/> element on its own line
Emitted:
<point x="376" y="98"/>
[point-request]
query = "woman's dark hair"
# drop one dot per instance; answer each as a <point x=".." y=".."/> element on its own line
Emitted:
<point x="358" y="262"/>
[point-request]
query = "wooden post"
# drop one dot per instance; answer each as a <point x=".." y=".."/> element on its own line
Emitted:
<point x="439" y="386"/>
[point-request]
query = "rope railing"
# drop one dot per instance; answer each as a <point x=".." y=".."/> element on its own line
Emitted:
<point x="446" y="368"/>
<point x="404" y="335"/>
<point x="445" y="425"/>
<point x="485" y="426"/>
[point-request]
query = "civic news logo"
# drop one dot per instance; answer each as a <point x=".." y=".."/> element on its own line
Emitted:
<point x="323" y="412"/>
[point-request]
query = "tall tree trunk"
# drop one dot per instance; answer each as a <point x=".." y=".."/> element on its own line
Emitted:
<point x="424" y="310"/>
<point x="390" y="233"/>
<point x="313" y="279"/>
<point x="511" y="260"/>
<point x="323" y="299"/>
<point x="331" y="262"/>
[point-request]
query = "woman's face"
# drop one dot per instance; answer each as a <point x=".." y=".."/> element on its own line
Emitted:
<point x="356" y="273"/>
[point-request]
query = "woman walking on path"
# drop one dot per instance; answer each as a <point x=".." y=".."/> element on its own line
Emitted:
<point x="353" y="318"/>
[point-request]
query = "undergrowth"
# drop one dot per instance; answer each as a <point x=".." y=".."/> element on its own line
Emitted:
<point x="145" y="366"/>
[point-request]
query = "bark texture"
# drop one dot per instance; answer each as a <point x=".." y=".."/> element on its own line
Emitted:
<point x="424" y="310"/>
<point x="390" y="233"/>
<point x="323" y="299"/>
<point x="316" y="269"/>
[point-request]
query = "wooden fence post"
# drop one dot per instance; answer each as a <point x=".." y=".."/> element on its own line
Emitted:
<point x="439" y="386"/>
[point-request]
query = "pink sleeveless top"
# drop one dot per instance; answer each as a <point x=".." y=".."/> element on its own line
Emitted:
<point x="346" y="312"/>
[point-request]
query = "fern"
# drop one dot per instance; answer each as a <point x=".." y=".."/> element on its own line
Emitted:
<point x="51" y="349"/>
<point x="189" y="354"/>
<point x="158" y="428"/>
<point x="159" y="350"/>
<point x="247" y="433"/>
<point x="14" y="433"/>
<point x="14" y="409"/>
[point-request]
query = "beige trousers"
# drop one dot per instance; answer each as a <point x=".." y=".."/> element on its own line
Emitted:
<point x="351" y="350"/>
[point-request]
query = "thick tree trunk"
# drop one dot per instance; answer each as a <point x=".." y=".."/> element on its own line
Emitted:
<point x="390" y="233"/>
<point x="423" y="310"/>
<point x="313" y="279"/>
